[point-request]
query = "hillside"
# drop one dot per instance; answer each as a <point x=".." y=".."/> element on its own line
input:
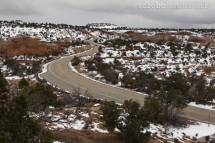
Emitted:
<point x="141" y="60"/>
<point x="18" y="38"/>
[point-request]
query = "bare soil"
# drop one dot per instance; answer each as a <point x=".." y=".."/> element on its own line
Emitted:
<point x="86" y="136"/>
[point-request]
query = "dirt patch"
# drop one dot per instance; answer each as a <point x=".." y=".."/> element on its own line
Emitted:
<point x="209" y="70"/>
<point x="183" y="33"/>
<point x="86" y="136"/>
<point x="26" y="61"/>
<point x="86" y="32"/>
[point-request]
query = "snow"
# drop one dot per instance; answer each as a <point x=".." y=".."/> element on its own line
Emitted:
<point x="209" y="107"/>
<point x="201" y="129"/>
<point x="44" y="70"/>
<point x="13" y="78"/>
<point x="95" y="33"/>
<point x="18" y="77"/>
<point x="102" y="25"/>
<point x="97" y="104"/>
<point x="83" y="114"/>
<point x="108" y="60"/>
<point x="78" y="125"/>
<point x="4" y="68"/>
<point x="98" y="129"/>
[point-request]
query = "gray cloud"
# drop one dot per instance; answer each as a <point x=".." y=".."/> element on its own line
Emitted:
<point x="19" y="8"/>
<point x="82" y="12"/>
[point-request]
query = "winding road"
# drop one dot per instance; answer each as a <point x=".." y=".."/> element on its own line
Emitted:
<point x="59" y="74"/>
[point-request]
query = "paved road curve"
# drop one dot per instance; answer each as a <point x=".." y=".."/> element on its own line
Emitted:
<point x="60" y="74"/>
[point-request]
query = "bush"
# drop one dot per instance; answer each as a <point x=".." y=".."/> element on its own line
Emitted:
<point x="36" y="67"/>
<point x="15" y="67"/>
<point x="40" y="96"/>
<point x="55" y="53"/>
<point x="75" y="61"/>
<point x="129" y="119"/>
<point x="128" y="81"/>
<point x="110" y="76"/>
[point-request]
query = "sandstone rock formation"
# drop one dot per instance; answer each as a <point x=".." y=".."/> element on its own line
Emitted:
<point x="29" y="46"/>
<point x="168" y="36"/>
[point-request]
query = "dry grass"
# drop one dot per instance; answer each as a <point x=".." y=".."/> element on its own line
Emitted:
<point x="86" y="136"/>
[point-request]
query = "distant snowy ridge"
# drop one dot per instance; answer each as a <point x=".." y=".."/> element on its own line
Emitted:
<point x="102" y="25"/>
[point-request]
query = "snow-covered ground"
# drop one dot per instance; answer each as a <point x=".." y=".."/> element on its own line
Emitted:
<point x="103" y="36"/>
<point x="4" y="68"/>
<point x="75" y="120"/>
<point x="197" y="130"/>
<point x="43" y="32"/>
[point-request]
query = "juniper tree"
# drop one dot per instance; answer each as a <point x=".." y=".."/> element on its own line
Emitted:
<point x="130" y="119"/>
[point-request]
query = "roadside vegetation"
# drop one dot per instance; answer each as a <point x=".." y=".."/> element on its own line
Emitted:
<point x="121" y="67"/>
<point x="17" y="69"/>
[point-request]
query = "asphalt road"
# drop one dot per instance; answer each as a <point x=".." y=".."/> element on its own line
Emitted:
<point x="60" y="75"/>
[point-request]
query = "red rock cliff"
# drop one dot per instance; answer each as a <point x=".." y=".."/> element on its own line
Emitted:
<point x="29" y="46"/>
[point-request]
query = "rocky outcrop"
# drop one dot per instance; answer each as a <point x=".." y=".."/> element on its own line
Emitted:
<point x="168" y="36"/>
<point x="29" y="46"/>
<point x="159" y="37"/>
<point x="206" y="40"/>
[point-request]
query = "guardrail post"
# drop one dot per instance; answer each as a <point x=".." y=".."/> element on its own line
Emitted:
<point x="209" y="120"/>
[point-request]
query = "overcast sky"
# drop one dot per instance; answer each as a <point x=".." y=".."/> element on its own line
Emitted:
<point x="129" y="13"/>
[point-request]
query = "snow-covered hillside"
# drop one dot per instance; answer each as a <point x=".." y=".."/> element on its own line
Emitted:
<point x="44" y="32"/>
<point x="103" y="36"/>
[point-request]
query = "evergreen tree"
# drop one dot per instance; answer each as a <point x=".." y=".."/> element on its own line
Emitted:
<point x="16" y="126"/>
<point x="3" y="83"/>
<point x="36" y="68"/>
<point x="23" y="83"/>
<point x="153" y="109"/>
<point x="178" y="82"/>
<point x="172" y="103"/>
<point x="133" y="123"/>
<point x="111" y="113"/>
